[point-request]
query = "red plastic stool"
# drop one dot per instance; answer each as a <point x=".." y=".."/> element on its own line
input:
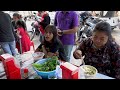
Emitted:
<point x="32" y="44"/>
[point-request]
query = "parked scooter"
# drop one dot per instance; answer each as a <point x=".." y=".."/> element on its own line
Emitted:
<point x="35" y="26"/>
<point x="87" y="23"/>
<point x="109" y="16"/>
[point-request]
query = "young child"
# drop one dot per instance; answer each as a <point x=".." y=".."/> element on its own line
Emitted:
<point x="25" y="39"/>
<point x="51" y="45"/>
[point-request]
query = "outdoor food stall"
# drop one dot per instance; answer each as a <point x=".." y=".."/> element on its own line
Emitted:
<point x="30" y="65"/>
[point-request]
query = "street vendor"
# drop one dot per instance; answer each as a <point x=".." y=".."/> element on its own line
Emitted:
<point x="101" y="51"/>
<point x="51" y="45"/>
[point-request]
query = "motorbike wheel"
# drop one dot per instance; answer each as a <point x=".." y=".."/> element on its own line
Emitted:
<point x="37" y="32"/>
<point x="32" y="34"/>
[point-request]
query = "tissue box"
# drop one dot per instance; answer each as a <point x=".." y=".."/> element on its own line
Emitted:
<point x="69" y="71"/>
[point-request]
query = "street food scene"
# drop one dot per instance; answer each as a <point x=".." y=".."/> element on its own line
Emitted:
<point x="59" y="44"/>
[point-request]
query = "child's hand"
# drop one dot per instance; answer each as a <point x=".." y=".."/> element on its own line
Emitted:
<point x="18" y="34"/>
<point x="44" y="50"/>
<point x="50" y="54"/>
<point x="56" y="53"/>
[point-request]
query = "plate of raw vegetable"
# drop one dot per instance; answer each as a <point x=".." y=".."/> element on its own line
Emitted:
<point x="45" y="67"/>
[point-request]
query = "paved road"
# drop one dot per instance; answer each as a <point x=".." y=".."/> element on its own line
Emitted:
<point x="28" y="24"/>
<point x="116" y="35"/>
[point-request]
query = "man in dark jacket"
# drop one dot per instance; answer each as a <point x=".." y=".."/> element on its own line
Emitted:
<point x="7" y="40"/>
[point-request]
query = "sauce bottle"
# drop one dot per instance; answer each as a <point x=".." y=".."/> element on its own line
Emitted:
<point x="25" y="73"/>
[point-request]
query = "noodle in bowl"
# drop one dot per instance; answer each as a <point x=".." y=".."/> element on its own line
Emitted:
<point x="89" y="71"/>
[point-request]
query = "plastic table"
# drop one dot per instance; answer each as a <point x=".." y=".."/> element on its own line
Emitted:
<point x="101" y="76"/>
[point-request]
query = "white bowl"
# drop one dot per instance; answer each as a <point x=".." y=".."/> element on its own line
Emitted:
<point x="38" y="55"/>
<point x="89" y="71"/>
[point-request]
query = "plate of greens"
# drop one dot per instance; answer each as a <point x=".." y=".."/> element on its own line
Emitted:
<point x="45" y="67"/>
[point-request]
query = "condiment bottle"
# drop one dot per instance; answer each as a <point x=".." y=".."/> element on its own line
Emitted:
<point x="25" y="73"/>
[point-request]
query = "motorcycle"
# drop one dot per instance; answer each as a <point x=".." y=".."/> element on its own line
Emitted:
<point x="87" y="24"/>
<point x="35" y="27"/>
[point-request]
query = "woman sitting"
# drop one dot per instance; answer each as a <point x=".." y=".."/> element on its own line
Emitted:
<point x="51" y="45"/>
<point x="101" y="51"/>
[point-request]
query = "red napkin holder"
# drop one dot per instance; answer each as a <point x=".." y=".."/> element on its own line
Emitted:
<point x="69" y="71"/>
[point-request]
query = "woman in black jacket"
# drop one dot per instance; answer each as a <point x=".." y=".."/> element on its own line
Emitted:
<point x="52" y="46"/>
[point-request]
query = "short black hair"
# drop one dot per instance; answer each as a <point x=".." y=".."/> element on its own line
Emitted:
<point x="17" y="15"/>
<point x="21" y="24"/>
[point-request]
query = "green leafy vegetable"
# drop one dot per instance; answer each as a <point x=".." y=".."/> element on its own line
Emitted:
<point x="49" y="65"/>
